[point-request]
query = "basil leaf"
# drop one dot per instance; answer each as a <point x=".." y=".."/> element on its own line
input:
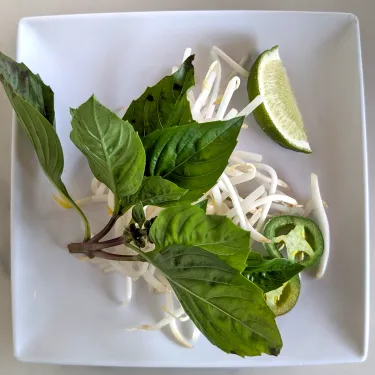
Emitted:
<point x="33" y="103"/>
<point x="154" y="191"/>
<point x="157" y="191"/>
<point x="47" y="147"/>
<point x="202" y="204"/>
<point x="270" y="274"/>
<point x="189" y="225"/>
<point x="192" y="156"/>
<point x="112" y="147"/>
<point x="18" y="79"/>
<point x="138" y="214"/>
<point x="165" y="104"/>
<point x="226" y="307"/>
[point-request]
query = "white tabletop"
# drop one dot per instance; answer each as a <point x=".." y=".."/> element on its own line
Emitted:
<point x="12" y="10"/>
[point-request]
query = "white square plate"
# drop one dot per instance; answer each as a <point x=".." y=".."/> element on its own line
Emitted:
<point x="66" y="311"/>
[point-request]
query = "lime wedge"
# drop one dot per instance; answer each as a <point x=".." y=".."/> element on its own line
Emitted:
<point x="279" y="115"/>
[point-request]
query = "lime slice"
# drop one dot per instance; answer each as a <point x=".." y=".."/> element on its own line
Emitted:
<point x="279" y="115"/>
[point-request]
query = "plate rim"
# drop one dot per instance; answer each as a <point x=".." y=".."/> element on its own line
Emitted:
<point x="366" y="212"/>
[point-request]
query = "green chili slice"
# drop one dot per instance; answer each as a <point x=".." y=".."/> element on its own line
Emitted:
<point x="300" y="236"/>
<point x="283" y="299"/>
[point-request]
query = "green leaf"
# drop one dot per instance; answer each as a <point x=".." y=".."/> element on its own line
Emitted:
<point x="47" y="147"/>
<point x="202" y="204"/>
<point x="189" y="225"/>
<point x="165" y="104"/>
<point x="138" y="214"/>
<point x="270" y="274"/>
<point x="154" y="191"/>
<point x="18" y="79"/>
<point x="226" y="307"/>
<point x="33" y="103"/>
<point x="157" y="191"/>
<point x="112" y="147"/>
<point x="192" y="156"/>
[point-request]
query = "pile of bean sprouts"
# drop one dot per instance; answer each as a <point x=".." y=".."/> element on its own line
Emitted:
<point x="269" y="195"/>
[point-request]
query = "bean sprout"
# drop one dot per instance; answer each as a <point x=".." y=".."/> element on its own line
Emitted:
<point x="215" y="90"/>
<point x="162" y="323"/>
<point x="233" y="85"/>
<point x="282" y="209"/>
<point x="272" y="190"/>
<point x="236" y="203"/>
<point x="101" y="189"/>
<point x="244" y="177"/>
<point x="251" y="106"/>
<point x="233" y="64"/>
<point x="242" y="62"/>
<point x="272" y="198"/>
<point x="309" y="207"/>
<point x="206" y="89"/>
<point x="256" y="216"/>
<point x="322" y="219"/>
<point x="231" y="114"/>
<point x="217" y="199"/>
<point x="189" y="343"/>
<point x="261" y="177"/>
<point x="154" y="282"/>
<point x="245" y="155"/>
